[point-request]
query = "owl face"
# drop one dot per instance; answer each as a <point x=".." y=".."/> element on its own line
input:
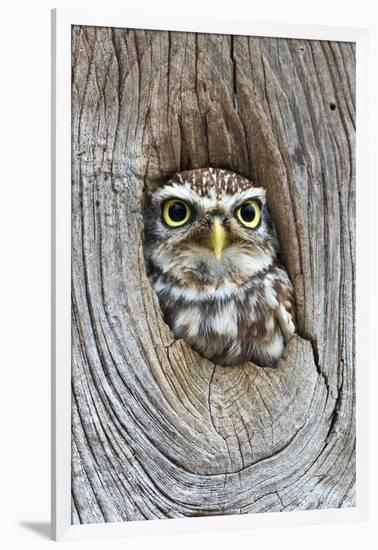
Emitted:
<point x="209" y="224"/>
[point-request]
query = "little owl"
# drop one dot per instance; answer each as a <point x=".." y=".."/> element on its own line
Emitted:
<point x="213" y="260"/>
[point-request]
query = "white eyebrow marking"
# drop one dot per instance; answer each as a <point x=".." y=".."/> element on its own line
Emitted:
<point x="178" y="191"/>
<point x="210" y="200"/>
<point x="229" y="201"/>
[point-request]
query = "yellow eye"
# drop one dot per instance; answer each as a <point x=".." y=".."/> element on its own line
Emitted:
<point x="176" y="213"/>
<point x="249" y="213"/>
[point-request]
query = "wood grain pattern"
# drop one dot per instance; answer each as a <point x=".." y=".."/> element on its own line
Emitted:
<point x="158" y="431"/>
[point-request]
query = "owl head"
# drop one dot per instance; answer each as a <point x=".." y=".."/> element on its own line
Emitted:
<point x="208" y="225"/>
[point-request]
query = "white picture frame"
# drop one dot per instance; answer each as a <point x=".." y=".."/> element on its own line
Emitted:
<point x="62" y="20"/>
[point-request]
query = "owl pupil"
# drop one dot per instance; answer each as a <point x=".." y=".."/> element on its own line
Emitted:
<point x="177" y="212"/>
<point x="248" y="212"/>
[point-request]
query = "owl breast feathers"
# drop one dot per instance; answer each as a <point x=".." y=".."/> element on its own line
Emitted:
<point x="213" y="260"/>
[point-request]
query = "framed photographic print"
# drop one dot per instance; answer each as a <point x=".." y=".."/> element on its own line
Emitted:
<point x="209" y="274"/>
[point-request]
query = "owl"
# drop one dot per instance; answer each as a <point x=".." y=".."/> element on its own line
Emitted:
<point x="213" y="259"/>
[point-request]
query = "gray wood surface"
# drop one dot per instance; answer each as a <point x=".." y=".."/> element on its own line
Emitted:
<point x="158" y="431"/>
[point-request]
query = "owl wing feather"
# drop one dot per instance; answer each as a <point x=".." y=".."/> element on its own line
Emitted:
<point x="285" y="321"/>
<point x="285" y="311"/>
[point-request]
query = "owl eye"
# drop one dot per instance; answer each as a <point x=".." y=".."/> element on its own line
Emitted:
<point x="249" y="213"/>
<point x="176" y="213"/>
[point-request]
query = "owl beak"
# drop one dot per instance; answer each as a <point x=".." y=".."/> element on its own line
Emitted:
<point x="218" y="238"/>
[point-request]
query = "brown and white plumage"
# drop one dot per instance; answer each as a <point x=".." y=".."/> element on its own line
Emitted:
<point x="221" y="284"/>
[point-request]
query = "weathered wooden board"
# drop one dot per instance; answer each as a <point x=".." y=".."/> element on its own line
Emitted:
<point x="158" y="431"/>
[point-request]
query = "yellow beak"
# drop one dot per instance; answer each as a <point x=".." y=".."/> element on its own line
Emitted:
<point x="218" y="238"/>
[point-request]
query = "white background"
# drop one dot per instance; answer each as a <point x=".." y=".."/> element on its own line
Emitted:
<point x="25" y="274"/>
